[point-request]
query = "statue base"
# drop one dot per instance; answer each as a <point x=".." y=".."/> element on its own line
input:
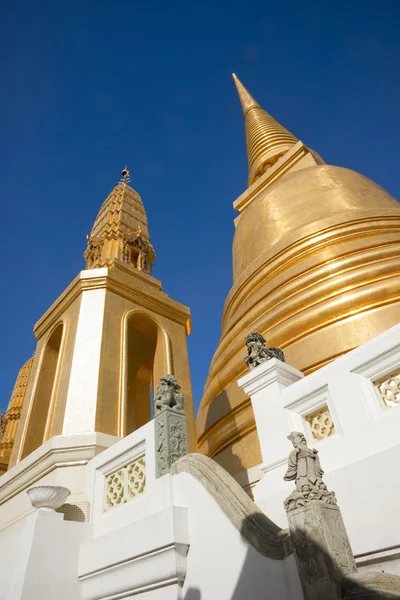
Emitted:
<point x="322" y="549"/>
<point x="170" y="438"/>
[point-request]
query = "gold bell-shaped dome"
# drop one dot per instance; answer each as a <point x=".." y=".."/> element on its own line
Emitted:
<point x="316" y="270"/>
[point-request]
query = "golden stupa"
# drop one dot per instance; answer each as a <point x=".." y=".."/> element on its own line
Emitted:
<point x="316" y="270"/>
<point x="13" y="415"/>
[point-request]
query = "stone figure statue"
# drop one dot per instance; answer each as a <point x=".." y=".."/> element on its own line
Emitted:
<point x="143" y="249"/>
<point x="3" y="424"/>
<point x="305" y="469"/>
<point x="143" y="262"/>
<point x="167" y="394"/>
<point x="257" y="353"/>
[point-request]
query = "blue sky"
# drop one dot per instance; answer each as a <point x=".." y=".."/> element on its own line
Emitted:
<point x="89" y="86"/>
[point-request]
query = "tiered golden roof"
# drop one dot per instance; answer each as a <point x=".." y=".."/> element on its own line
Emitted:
<point x="266" y="139"/>
<point x="121" y="230"/>
<point x="13" y="414"/>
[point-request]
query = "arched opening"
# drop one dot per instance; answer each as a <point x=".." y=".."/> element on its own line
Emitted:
<point x="145" y="363"/>
<point x="46" y="385"/>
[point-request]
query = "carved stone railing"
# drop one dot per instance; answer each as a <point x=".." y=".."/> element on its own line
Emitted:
<point x="259" y="531"/>
<point x="125" y="484"/>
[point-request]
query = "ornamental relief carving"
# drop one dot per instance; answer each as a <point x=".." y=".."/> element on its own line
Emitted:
<point x="125" y="484"/>
<point x="321" y="423"/>
<point x="389" y="389"/>
<point x="170" y="439"/>
<point x="169" y="423"/>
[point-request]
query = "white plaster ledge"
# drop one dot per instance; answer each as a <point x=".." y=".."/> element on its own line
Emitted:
<point x="377" y="556"/>
<point x="59" y="451"/>
<point x="142" y="556"/>
<point x="270" y="372"/>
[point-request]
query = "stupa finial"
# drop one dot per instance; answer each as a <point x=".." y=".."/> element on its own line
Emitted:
<point x="246" y="99"/>
<point x="125" y="175"/>
<point x="266" y="139"/>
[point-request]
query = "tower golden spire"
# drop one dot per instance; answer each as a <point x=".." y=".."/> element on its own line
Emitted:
<point x="121" y="230"/>
<point x="246" y="99"/>
<point x="266" y="139"/>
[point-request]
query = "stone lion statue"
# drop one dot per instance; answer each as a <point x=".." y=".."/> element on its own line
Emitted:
<point x="167" y="394"/>
<point x="257" y="353"/>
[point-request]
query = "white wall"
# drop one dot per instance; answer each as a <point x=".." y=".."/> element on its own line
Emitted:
<point x="39" y="558"/>
<point x="221" y="564"/>
<point x="147" y="539"/>
<point x="172" y="542"/>
<point x="360" y="460"/>
<point x="15" y="548"/>
<point x="53" y="560"/>
<point x="137" y="551"/>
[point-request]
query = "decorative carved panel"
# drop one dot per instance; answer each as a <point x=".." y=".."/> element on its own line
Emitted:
<point x="170" y="438"/>
<point x="125" y="484"/>
<point x="321" y="423"/>
<point x="136" y="478"/>
<point x="389" y="389"/>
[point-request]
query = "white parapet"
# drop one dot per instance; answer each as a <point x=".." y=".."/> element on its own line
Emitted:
<point x="190" y="534"/>
<point x="265" y="385"/>
<point x="60" y="461"/>
<point x="349" y="411"/>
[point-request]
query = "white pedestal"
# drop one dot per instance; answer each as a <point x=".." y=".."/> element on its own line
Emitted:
<point x="265" y="385"/>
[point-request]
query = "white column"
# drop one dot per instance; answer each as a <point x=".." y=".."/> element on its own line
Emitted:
<point x="265" y="385"/>
<point x="80" y="410"/>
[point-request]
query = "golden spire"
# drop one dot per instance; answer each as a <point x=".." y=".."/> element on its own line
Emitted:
<point x="266" y="139"/>
<point x="246" y="99"/>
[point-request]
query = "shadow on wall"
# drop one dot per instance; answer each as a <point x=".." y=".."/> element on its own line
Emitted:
<point x="72" y="512"/>
<point x="358" y="586"/>
<point x="232" y="463"/>
<point x="366" y="585"/>
<point x="192" y="594"/>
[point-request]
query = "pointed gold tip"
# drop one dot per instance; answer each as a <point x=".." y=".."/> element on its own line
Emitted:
<point x="266" y="139"/>
<point x="246" y="100"/>
<point x="125" y="175"/>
